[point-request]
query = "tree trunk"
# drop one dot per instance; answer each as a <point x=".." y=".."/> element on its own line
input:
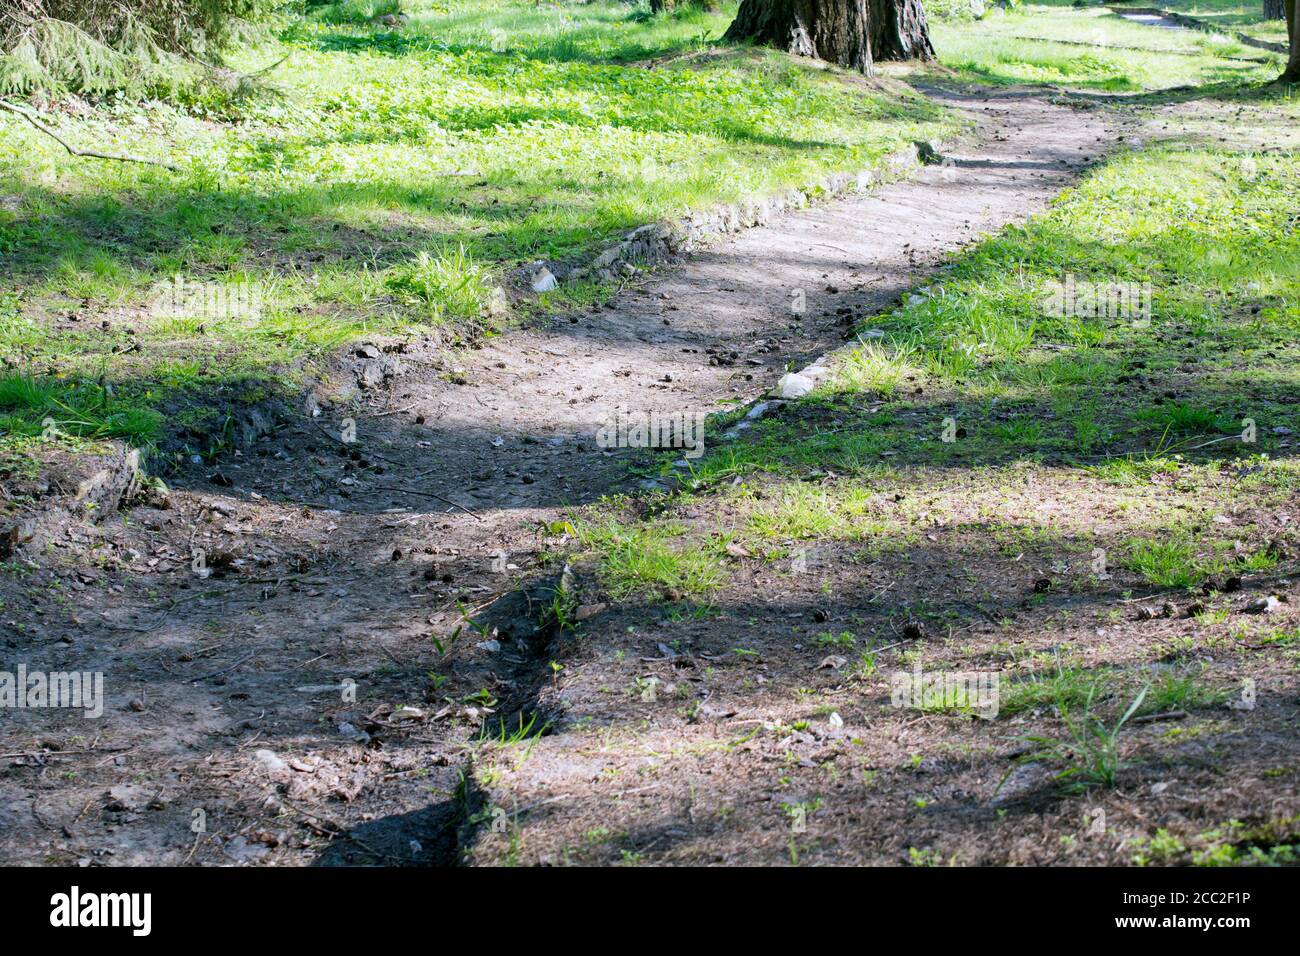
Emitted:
<point x="851" y="33"/>
<point x="834" y="30"/>
<point x="1292" y="74"/>
<point x="899" y="31"/>
<point x="1274" y="9"/>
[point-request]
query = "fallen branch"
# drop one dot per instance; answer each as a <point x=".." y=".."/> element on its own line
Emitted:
<point x="890" y="647"/>
<point x="425" y="494"/>
<point x="267" y="69"/>
<point x="395" y="411"/>
<point x="72" y="150"/>
<point x="225" y="670"/>
<point x="42" y="753"/>
<point x="1166" y="715"/>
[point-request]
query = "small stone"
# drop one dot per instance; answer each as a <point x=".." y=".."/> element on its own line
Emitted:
<point x="793" y="385"/>
<point x="544" y="281"/>
<point x="239" y="849"/>
<point x="269" y="761"/>
<point x="1264" y="605"/>
<point x="715" y="713"/>
<point x="586" y="611"/>
<point x="1024" y="780"/>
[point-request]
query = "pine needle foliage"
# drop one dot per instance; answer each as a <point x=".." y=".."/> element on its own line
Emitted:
<point x="98" y="46"/>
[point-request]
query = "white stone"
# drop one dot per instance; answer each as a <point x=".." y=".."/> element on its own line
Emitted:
<point x="544" y="281"/>
<point x="815" y="372"/>
<point x="794" y="385"/>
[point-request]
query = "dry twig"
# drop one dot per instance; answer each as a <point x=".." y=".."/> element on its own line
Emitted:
<point x="74" y="151"/>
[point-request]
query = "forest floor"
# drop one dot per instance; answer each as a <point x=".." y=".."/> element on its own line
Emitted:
<point x="576" y="654"/>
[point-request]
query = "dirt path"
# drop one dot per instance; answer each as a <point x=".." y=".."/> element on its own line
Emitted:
<point x="231" y="732"/>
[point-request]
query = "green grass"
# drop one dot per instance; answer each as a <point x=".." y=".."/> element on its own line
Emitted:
<point x="802" y="512"/>
<point x="1231" y="16"/>
<point x="872" y="370"/>
<point x="1063" y="686"/>
<point x="1089" y="750"/>
<point x="37" y="407"/>
<point x="1179" y="417"/>
<point x="1166" y="563"/>
<point x="1180" y="559"/>
<point x="651" y="561"/>
<point x="446" y="284"/>
<point x="1132" y="421"/>
<point x="1180" y="691"/>
<point x="1093" y="49"/>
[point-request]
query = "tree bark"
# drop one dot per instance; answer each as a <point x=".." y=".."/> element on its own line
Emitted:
<point x="1292" y="74"/>
<point x="851" y="33"/>
<point x="900" y="31"/>
<point x="834" y="30"/>
<point x="1274" y="9"/>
